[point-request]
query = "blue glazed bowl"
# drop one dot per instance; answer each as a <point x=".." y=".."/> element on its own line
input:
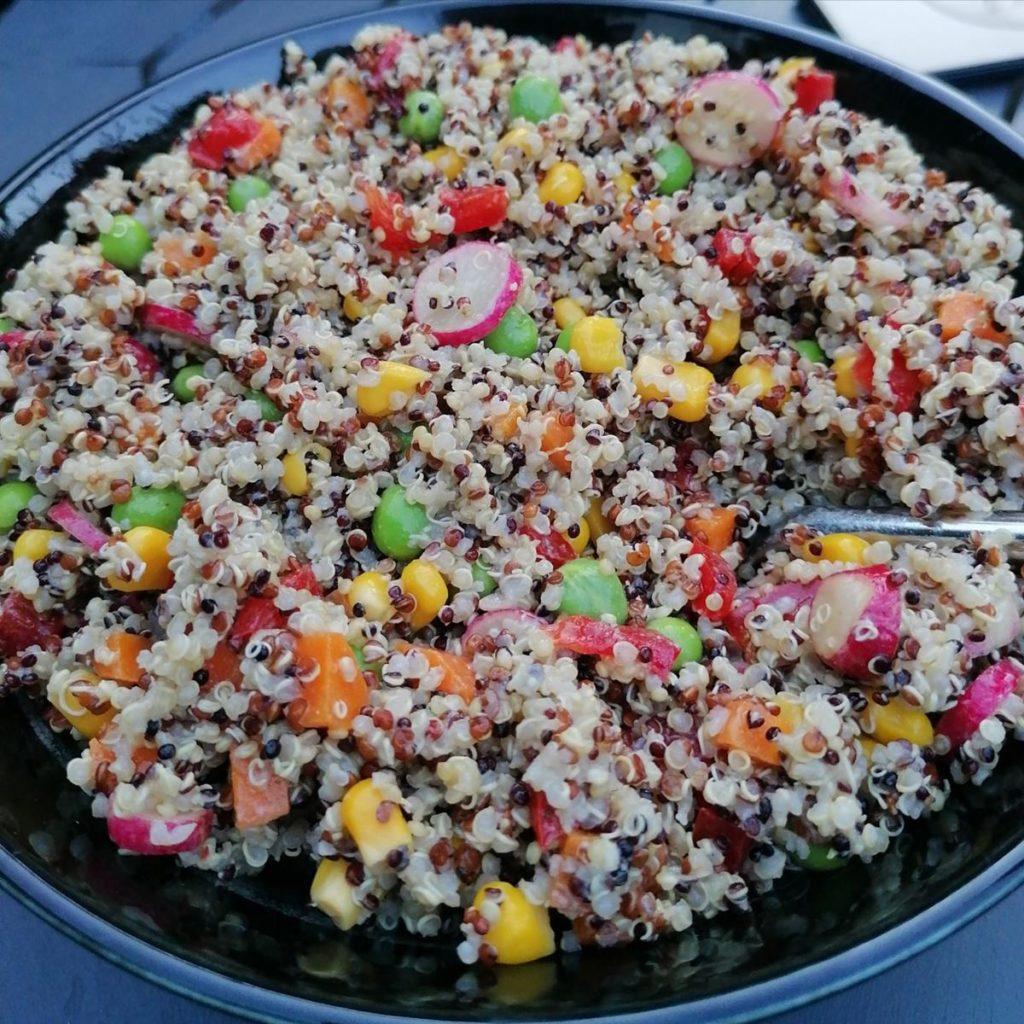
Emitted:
<point x="254" y="947"/>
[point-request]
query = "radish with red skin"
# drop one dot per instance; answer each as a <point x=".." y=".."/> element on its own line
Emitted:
<point x="855" y="619"/>
<point x="979" y="701"/>
<point x="151" y="836"/>
<point x="788" y="598"/>
<point x="167" y="320"/>
<point x="1004" y="628"/>
<point x="12" y="340"/>
<point x="463" y="294"/>
<point x="78" y="525"/>
<point x="512" y="621"/>
<point x="847" y="193"/>
<point x="583" y="635"/>
<point x="717" y="104"/>
<point x="147" y="363"/>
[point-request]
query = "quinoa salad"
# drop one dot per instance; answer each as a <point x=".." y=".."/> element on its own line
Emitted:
<point x="383" y="459"/>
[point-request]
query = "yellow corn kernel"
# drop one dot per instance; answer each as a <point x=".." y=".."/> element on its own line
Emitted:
<point x="624" y="183"/>
<point x="568" y="312"/>
<point x="869" y="746"/>
<point x="851" y="445"/>
<point x="377" y="826"/>
<point x="150" y="544"/>
<point x="333" y="893"/>
<point x="597" y="522"/>
<point x="685" y="386"/>
<point x="295" y="477"/>
<point x="395" y="378"/>
<point x="447" y="161"/>
<point x="792" y="67"/>
<point x="521" y="932"/>
<point x="791" y="712"/>
<point x="755" y="374"/>
<point x="422" y="581"/>
<point x="88" y="723"/>
<point x="563" y="184"/>
<point x="34" y="544"/>
<point x="897" y="720"/>
<point x="518" y="138"/>
<point x="722" y="338"/>
<point x="597" y="340"/>
<point x="846" y="382"/>
<point x="353" y="308"/>
<point x="836" y="547"/>
<point x="369" y="591"/>
<point x="582" y="539"/>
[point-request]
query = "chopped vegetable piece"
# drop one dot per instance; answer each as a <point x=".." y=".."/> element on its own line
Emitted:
<point x="717" y="584"/>
<point x="150" y="545"/>
<point x="268" y="409"/>
<point x="151" y="506"/>
<point x="245" y="190"/>
<point x="655" y="652"/>
<point x="376" y="825"/>
<point x="968" y="311"/>
<point x="233" y="135"/>
<point x="534" y="98"/>
<point x="746" y="728"/>
<point x="337" y="690"/>
<point x="476" y="207"/>
<point x="683" y="635"/>
<point x="547" y="827"/>
<point x="398" y="524"/>
<point x="812" y="88"/>
<point x="223" y="666"/>
<point x="551" y="545"/>
<point x="14" y="498"/>
<point x="150" y="835"/>
<point x="713" y="527"/>
<point x="125" y="243"/>
<point x="424" y="115"/>
<point x="118" y="658"/>
<point x="678" y="168"/>
<point x="389" y="216"/>
<point x="811" y="351"/>
<point x="591" y="588"/>
<point x="458" y="677"/>
<point x="21" y="626"/>
<point x="821" y="856"/>
<point x="422" y="581"/>
<point x="979" y="701"/>
<point x="522" y="931"/>
<point x="258" y="801"/>
<point x="69" y="519"/>
<point x="173" y="321"/>
<point x="734" y="255"/>
<point x="729" y="836"/>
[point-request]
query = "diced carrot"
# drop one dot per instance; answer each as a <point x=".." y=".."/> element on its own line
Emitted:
<point x="554" y="440"/>
<point x="714" y="527"/>
<point x="576" y="843"/>
<point x="339" y="690"/>
<point x="224" y="665"/>
<point x="188" y="253"/>
<point x="143" y="755"/>
<point x="347" y="103"/>
<point x="746" y="729"/>
<point x="254" y="804"/>
<point x="263" y="147"/>
<point x="506" y="426"/>
<point x="968" y="310"/>
<point x="662" y="247"/>
<point x="459" y="678"/>
<point x="122" y="662"/>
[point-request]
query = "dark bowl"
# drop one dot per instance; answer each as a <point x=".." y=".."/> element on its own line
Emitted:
<point x="255" y="947"/>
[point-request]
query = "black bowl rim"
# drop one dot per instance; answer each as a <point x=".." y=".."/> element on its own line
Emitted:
<point x="775" y="995"/>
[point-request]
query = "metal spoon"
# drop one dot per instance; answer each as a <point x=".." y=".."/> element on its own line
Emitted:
<point x="895" y="525"/>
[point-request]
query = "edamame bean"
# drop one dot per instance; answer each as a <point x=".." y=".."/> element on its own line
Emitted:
<point x="14" y="496"/>
<point x="683" y="635"/>
<point x="515" y="335"/>
<point x="151" y="506"/>
<point x="396" y="522"/>
<point x="125" y="243"/>
<point x="588" y="588"/>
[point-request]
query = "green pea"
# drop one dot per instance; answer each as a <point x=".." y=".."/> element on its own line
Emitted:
<point x="683" y="635"/>
<point x="818" y="859"/>
<point x="182" y="386"/>
<point x="244" y="190"/>
<point x="424" y="113"/>
<point x="396" y="521"/>
<point x="14" y="496"/>
<point x="564" y="338"/>
<point x="515" y="335"/>
<point x="151" y="506"/>
<point x="361" y="661"/>
<point x="678" y="168"/>
<point x="534" y="98"/>
<point x="125" y="243"/>
<point x="590" y="589"/>
<point x="268" y="411"/>
<point x="6" y="324"/>
<point x="811" y="350"/>
<point x="483" y="581"/>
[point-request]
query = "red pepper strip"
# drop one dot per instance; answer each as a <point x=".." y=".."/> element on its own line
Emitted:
<point x="229" y="129"/>
<point x="387" y="213"/>
<point x="905" y="383"/>
<point x="258" y="613"/>
<point x="546" y="825"/>
<point x="552" y="546"/>
<point x="738" y="267"/>
<point x="21" y="626"/>
<point x="813" y="87"/>
<point x="302" y="578"/>
<point x="727" y="835"/>
<point x="716" y="577"/>
<point x="589" y="636"/>
<point x="482" y="206"/>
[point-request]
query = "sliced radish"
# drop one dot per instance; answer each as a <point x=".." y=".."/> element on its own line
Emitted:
<point x="69" y="519"/>
<point x="148" y="364"/>
<point x="730" y="118"/>
<point x="789" y="598"/>
<point x="979" y="701"/>
<point x="1004" y="628"/>
<point x="152" y="836"/>
<point x="462" y="294"/>
<point x="855" y="619"/>
<point x="173" y="321"/>
<point x="11" y="340"/>
<point x="512" y="621"/>
<point x="875" y="214"/>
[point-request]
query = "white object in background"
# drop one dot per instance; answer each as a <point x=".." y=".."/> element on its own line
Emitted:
<point x="932" y="35"/>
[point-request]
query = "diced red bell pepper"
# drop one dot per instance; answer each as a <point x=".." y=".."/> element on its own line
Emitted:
<point x="257" y="613"/>
<point x="229" y="129"/>
<point x="813" y="87"/>
<point x="738" y="267"/>
<point x="727" y="835"/>
<point x="11" y="340"/>
<point x="682" y="472"/>
<point x="905" y="383"/>
<point x="716" y="577"/>
<point x="387" y="213"/>
<point x="551" y="545"/>
<point x="302" y="578"/>
<point x="21" y="626"/>
<point x="589" y="636"/>
<point x="547" y="828"/>
<point x="482" y="206"/>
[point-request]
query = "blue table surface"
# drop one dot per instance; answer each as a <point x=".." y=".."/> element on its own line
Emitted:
<point x="115" y="47"/>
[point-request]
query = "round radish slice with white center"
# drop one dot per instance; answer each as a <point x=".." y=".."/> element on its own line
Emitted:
<point x="729" y="119"/>
<point x="855" y="621"/>
<point x="979" y="701"/>
<point x="849" y="196"/>
<point x="151" y="836"/>
<point x="462" y="294"/>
